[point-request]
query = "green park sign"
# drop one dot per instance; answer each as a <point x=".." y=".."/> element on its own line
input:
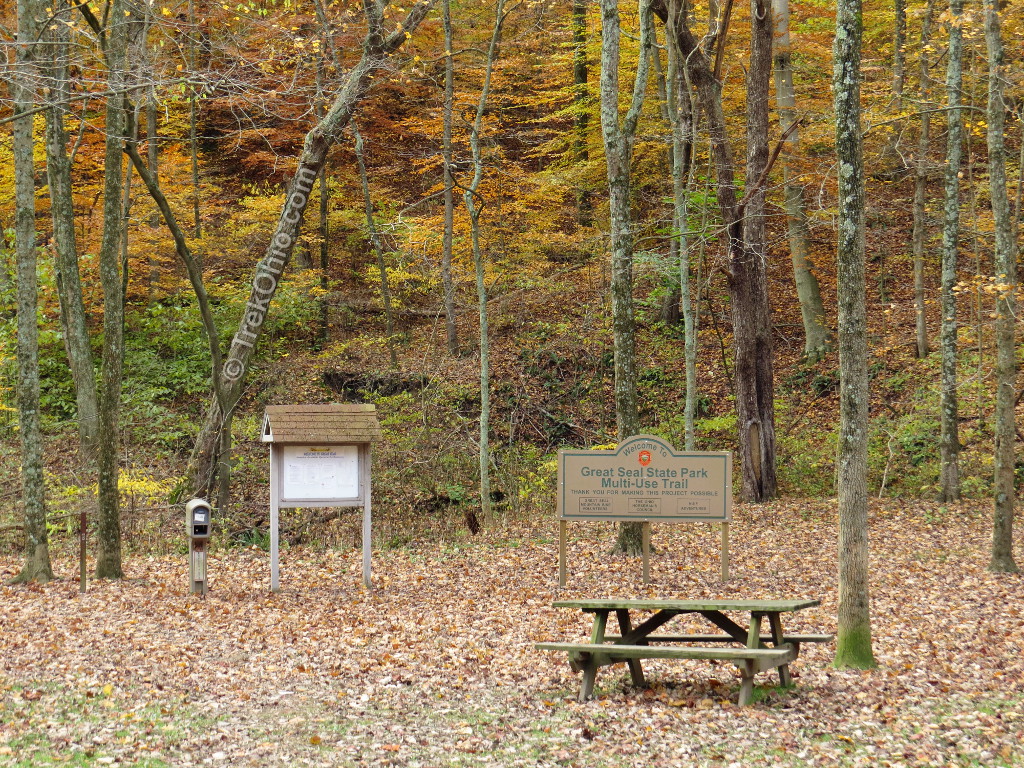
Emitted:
<point x="644" y="480"/>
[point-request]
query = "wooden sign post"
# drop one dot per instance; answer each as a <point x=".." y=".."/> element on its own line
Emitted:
<point x="644" y="481"/>
<point x="319" y="457"/>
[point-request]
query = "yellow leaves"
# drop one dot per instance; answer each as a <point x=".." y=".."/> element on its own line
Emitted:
<point x="996" y="286"/>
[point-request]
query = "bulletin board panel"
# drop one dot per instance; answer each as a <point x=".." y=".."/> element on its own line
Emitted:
<point x="312" y="473"/>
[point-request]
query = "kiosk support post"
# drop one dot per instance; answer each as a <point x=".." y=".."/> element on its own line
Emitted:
<point x="367" y="527"/>
<point x="275" y="486"/>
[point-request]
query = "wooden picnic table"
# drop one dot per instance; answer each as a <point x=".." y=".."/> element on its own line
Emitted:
<point x="773" y="650"/>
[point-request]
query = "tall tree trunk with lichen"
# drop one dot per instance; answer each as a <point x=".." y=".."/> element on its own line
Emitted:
<point x="37" y="566"/>
<point x="108" y="536"/>
<point x="853" y="636"/>
<point x="1002" y="560"/>
<point x="618" y="136"/>
<point x="949" y="438"/>
<point x="681" y="111"/>
<point x="816" y="332"/>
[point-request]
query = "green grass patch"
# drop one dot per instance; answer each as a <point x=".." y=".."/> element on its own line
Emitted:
<point x="54" y="725"/>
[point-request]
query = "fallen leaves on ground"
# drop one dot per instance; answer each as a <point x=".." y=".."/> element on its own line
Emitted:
<point x="436" y="666"/>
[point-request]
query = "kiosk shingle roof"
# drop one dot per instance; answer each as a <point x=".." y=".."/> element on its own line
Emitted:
<point x="339" y="424"/>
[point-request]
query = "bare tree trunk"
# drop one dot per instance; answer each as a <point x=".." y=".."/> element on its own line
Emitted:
<point x="853" y="642"/>
<point x="670" y="313"/>
<point x="37" y="553"/>
<point x="751" y="314"/>
<point x="899" y="76"/>
<point x="949" y="440"/>
<point x="447" y="281"/>
<point x="474" y="204"/>
<point x="69" y="282"/>
<point x="744" y="233"/>
<point x="921" y="185"/>
<point x="323" y="332"/>
<point x="377" y="48"/>
<point x="108" y="553"/>
<point x="816" y="332"/>
<point x="378" y="248"/>
<point x="618" y="148"/>
<point x="190" y="49"/>
<point x="152" y="149"/>
<point x="681" y="110"/>
<point x="899" y="54"/>
<point x="1006" y="276"/>
<point x="580" y="100"/>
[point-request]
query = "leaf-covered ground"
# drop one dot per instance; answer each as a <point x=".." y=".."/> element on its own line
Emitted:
<point x="436" y="667"/>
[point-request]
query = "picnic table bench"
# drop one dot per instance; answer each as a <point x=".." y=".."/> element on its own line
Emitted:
<point x="773" y="650"/>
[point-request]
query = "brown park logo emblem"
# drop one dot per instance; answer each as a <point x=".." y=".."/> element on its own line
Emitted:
<point x="645" y="458"/>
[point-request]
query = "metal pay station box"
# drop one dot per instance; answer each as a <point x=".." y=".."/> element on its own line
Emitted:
<point x="198" y="521"/>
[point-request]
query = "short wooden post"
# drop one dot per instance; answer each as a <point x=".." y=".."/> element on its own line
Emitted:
<point x="725" y="551"/>
<point x="82" y="537"/>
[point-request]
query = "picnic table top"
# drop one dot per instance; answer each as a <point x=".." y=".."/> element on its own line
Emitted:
<point x="754" y="606"/>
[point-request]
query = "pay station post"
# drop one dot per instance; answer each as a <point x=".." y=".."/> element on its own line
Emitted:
<point x="645" y="480"/>
<point x="319" y="457"/>
<point x="197" y="527"/>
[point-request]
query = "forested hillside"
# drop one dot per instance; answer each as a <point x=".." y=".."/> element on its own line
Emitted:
<point x="427" y="172"/>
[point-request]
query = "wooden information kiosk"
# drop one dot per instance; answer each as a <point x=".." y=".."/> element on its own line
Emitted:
<point x="319" y="457"/>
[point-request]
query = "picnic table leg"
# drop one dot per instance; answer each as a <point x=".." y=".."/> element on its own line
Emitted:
<point x="636" y="672"/>
<point x="754" y="633"/>
<point x="777" y="639"/>
<point x="747" y="683"/>
<point x="590" y="663"/>
<point x="747" y="669"/>
<point x="589" y="676"/>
